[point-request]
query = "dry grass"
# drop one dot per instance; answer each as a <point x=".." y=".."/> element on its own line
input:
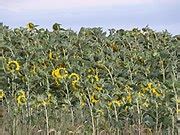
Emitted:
<point x="62" y="126"/>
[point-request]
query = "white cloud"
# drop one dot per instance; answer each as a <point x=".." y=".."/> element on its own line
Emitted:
<point x="36" y="5"/>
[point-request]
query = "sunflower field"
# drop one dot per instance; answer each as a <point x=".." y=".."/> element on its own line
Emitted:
<point x="62" y="82"/>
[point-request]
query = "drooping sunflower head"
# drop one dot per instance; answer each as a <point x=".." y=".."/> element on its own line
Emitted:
<point x="75" y="85"/>
<point x="74" y="77"/>
<point x="55" y="73"/>
<point x="20" y="97"/>
<point x="60" y="73"/>
<point x="30" y="26"/>
<point x="13" y="66"/>
<point x="21" y="100"/>
<point x="56" y="27"/>
<point x="94" y="98"/>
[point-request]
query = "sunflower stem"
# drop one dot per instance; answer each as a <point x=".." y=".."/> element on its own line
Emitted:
<point x="47" y="120"/>
<point x="91" y="113"/>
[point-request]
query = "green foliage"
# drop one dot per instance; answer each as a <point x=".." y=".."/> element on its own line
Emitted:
<point x="127" y="78"/>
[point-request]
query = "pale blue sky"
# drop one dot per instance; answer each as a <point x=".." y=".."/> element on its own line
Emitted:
<point x="126" y="14"/>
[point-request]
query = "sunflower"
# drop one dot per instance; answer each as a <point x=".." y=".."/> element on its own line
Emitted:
<point x="30" y="25"/>
<point x="13" y="66"/>
<point x="20" y="97"/>
<point x="74" y="76"/>
<point x="21" y="100"/>
<point x="59" y="73"/>
<point x="75" y="85"/>
<point x="56" y="27"/>
<point x="115" y="102"/>
<point x="94" y="99"/>
<point x="2" y="94"/>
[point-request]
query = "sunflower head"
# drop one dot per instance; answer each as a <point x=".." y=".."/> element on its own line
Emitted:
<point x="13" y="66"/>
<point x="2" y="94"/>
<point x="94" y="99"/>
<point x="60" y="73"/>
<point x="75" y="85"/>
<point x="74" y="77"/>
<point x="21" y="100"/>
<point x="56" y="27"/>
<point x="30" y="26"/>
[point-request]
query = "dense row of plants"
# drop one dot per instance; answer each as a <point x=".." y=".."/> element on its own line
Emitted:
<point x="123" y="82"/>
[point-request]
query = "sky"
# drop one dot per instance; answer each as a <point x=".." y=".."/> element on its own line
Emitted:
<point x="74" y="14"/>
